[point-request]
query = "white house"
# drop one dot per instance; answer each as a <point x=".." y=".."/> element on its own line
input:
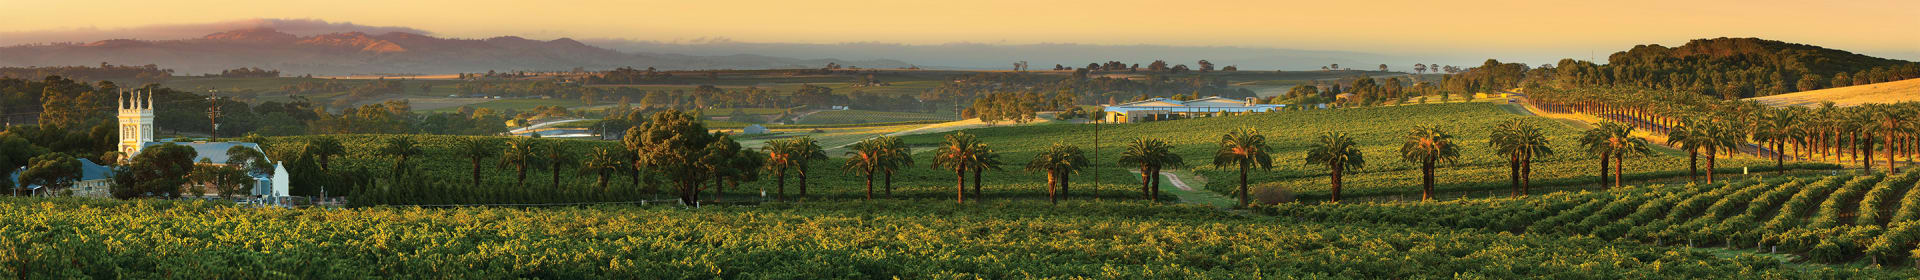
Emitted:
<point x="1164" y="109"/>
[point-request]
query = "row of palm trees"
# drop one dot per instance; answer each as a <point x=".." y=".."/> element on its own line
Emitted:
<point x="1824" y="132"/>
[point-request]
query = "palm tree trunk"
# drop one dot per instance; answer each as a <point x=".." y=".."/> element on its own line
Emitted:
<point x="869" y="183"/>
<point x="1606" y="160"/>
<point x="803" y="182"/>
<point x="1890" y="145"/>
<point x="780" y="184"/>
<point x="476" y="173"/>
<point x="889" y="182"/>
<point x="1426" y="179"/>
<point x="1066" y="180"/>
<point x="977" y="195"/>
<point x="1526" y="174"/>
<point x="1243" y="184"/>
<point x="556" y="176"/>
<point x="1155" y="188"/>
<point x="1711" y="163"/>
<point x="1053" y="184"/>
<point x="1146" y="182"/>
<point x="1335" y="177"/>
<point x="603" y="181"/>
<point x="1693" y="165"/>
<point x="960" y="185"/>
<point x="1513" y="172"/>
<point x="523" y="175"/>
<point x="1619" y="166"/>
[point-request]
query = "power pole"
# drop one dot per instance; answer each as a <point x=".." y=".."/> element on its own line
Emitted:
<point x="213" y="116"/>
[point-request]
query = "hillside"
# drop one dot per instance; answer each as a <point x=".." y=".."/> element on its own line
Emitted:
<point x="394" y="52"/>
<point x="1888" y="92"/>
<point x="1723" y="67"/>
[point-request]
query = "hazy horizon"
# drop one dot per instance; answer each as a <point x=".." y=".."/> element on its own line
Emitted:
<point x="1391" y="31"/>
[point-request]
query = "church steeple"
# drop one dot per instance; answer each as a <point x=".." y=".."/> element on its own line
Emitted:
<point x="136" y="121"/>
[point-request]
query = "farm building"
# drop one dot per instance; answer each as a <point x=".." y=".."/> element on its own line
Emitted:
<point x="136" y="134"/>
<point x="1165" y="109"/>
<point x="94" y="180"/>
<point x="754" y="129"/>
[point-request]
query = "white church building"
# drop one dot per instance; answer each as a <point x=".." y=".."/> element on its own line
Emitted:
<point x="136" y="134"/>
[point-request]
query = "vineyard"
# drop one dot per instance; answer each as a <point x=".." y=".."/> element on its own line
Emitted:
<point x="147" y="239"/>
<point x="1378" y="131"/>
<point x="1868" y="218"/>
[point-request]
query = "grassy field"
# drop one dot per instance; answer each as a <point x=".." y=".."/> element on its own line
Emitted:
<point x="815" y="240"/>
<point x="864" y="116"/>
<point x="1888" y="92"/>
<point x="513" y="104"/>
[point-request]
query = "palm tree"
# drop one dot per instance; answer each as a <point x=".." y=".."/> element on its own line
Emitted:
<point x="519" y="154"/>
<point x="557" y="158"/>
<point x="805" y="150"/>
<point x="983" y="159"/>
<point x="1058" y="161"/>
<point x="1718" y="136"/>
<point x="1616" y="141"/>
<point x="1520" y="141"/>
<point x="1243" y="147"/>
<point x="1532" y="143"/>
<point x="1889" y="120"/>
<point x="401" y="148"/>
<point x="1151" y="155"/>
<point x="780" y="157"/>
<point x="866" y="157"/>
<point x="1338" y="152"/>
<point x="602" y="162"/>
<point x="895" y="155"/>
<point x="1428" y="145"/>
<point x="475" y="149"/>
<point x="1776" y="128"/>
<point x="324" y="148"/>
<point x="1690" y="135"/>
<point x="1595" y="140"/>
<point x="956" y="154"/>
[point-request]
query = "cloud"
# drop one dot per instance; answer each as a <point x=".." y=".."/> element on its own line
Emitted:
<point x="301" y="27"/>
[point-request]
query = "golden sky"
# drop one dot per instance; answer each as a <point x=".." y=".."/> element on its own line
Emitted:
<point x="1389" y="26"/>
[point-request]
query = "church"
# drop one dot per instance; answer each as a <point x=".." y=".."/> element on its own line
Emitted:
<point x="136" y="134"/>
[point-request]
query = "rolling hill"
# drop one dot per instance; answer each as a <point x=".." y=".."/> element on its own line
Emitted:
<point x="1888" y="92"/>
<point x="392" y="52"/>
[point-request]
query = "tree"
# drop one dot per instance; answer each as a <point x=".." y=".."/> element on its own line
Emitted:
<point x="52" y="171"/>
<point x="1690" y="135"/>
<point x="324" y="148"/>
<point x="250" y="159"/>
<point x="805" y="151"/>
<point x="400" y="148"/>
<point x="519" y="154"/>
<point x="984" y="158"/>
<point x="1339" y="154"/>
<point x="1776" y="128"/>
<point x="957" y="153"/>
<point x="1151" y="155"/>
<point x="780" y="158"/>
<point x="895" y="155"/>
<point x="1383" y="67"/>
<point x="1205" y="66"/>
<point x="866" y="157"/>
<point x="557" y="157"/>
<point x="1520" y="141"/>
<point x="719" y="161"/>
<point x="1244" y="148"/>
<point x="1890" y="121"/>
<point x="1059" y="161"/>
<point x="475" y="149"/>
<point x="158" y="170"/>
<point x="1428" y="145"/>
<point x="231" y="181"/>
<point x="1616" y="141"/>
<point x="671" y="145"/>
<point x="602" y="162"/>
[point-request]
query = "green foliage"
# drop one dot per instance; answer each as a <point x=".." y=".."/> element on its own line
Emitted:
<point x="158" y="170"/>
<point x="813" y="240"/>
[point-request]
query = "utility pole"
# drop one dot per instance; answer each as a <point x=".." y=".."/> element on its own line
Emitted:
<point x="213" y="116"/>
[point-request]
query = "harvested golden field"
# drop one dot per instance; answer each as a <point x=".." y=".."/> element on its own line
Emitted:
<point x="1888" y="92"/>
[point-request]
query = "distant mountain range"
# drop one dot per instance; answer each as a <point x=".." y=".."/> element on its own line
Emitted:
<point x="1039" y="56"/>
<point x="392" y="52"/>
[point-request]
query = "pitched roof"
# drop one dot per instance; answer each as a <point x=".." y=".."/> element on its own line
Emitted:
<point x="212" y="151"/>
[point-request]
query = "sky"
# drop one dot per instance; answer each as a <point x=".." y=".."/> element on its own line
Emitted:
<point x="1492" y="28"/>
